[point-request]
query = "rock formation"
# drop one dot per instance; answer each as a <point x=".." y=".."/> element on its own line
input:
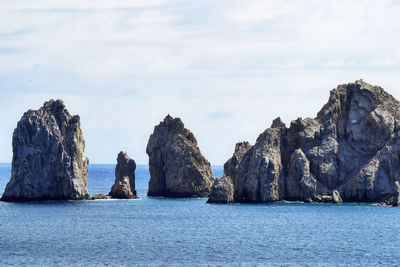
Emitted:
<point x="231" y="165"/>
<point x="124" y="185"/>
<point x="349" y="152"/>
<point x="99" y="196"/>
<point x="222" y="191"/>
<point x="177" y="167"/>
<point x="396" y="200"/>
<point x="48" y="161"/>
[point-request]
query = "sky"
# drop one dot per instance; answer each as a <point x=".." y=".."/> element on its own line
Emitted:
<point x="226" y="68"/>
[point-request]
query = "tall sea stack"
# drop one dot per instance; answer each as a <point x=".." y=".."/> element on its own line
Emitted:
<point x="177" y="167"/>
<point x="48" y="161"/>
<point x="124" y="185"/>
<point x="349" y="152"/>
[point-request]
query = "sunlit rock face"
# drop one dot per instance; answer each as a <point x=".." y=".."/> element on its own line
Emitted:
<point x="177" y="167"/>
<point x="349" y="152"/>
<point x="48" y="156"/>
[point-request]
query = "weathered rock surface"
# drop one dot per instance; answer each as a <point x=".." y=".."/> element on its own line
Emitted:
<point x="222" y="191"/>
<point x="396" y="199"/>
<point x="177" y="167"/>
<point x="124" y="185"/>
<point x="349" y="152"/>
<point x="231" y="165"/>
<point x="336" y="198"/>
<point x="48" y="161"/>
<point x="99" y="196"/>
<point x="301" y="184"/>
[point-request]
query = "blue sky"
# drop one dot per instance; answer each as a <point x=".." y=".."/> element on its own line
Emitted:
<point x="227" y="68"/>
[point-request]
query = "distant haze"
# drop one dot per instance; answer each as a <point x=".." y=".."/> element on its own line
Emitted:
<point x="227" y="68"/>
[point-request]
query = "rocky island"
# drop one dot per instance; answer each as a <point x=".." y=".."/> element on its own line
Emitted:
<point x="99" y="196"/>
<point x="48" y="156"/>
<point x="177" y="167"/>
<point x="349" y="152"/>
<point x="124" y="185"/>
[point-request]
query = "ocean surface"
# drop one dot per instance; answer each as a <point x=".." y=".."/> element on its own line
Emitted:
<point x="189" y="232"/>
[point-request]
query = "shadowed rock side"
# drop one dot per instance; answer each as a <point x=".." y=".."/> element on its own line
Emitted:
<point x="177" y="167"/>
<point x="124" y="185"/>
<point x="222" y="191"/>
<point x="349" y="152"/>
<point x="396" y="199"/>
<point x="48" y="161"/>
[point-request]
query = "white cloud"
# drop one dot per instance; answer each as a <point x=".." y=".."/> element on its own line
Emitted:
<point x="43" y="5"/>
<point x="226" y="67"/>
<point x="258" y="10"/>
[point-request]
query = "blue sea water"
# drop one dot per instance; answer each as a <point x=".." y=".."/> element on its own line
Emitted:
<point x="189" y="232"/>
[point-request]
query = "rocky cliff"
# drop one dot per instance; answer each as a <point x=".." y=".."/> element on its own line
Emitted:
<point x="349" y="152"/>
<point x="177" y="167"/>
<point x="48" y="160"/>
<point x="124" y="185"/>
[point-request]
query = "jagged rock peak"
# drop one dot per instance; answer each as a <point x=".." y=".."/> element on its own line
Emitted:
<point x="48" y="160"/>
<point x="348" y="153"/>
<point x="124" y="185"/>
<point x="242" y="147"/>
<point x="54" y="105"/>
<point x="277" y="123"/>
<point x="240" y="150"/>
<point x="177" y="167"/>
<point x="172" y="124"/>
<point x="360" y="96"/>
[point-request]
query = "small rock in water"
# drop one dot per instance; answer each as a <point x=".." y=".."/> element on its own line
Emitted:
<point x="99" y="196"/>
<point x="124" y="185"/>
<point x="222" y="191"/>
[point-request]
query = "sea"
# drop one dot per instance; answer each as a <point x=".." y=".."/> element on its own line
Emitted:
<point x="153" y="231"/>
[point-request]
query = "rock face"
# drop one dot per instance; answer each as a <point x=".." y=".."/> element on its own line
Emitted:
<point x="336" y="198"/>
<point x="48" y="161"/>
<point x="396" y="200"/>
<point x="124" y="185"/>
<point x="222" y="191"/>
<point x="177" y="167"/>
<point x="231" y="165"/>
<point x="349" y="152"/>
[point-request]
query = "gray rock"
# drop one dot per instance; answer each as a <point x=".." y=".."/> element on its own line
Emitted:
<point x="277" y="123"/>
<point x="124" y="185"/>
<point x="336" y="197"/>
<point x="396" y="199"/>
<point x="222" y="191"/>
<point x="301" y="184"/>
<point x="351" y="147"/>
<point x="177" y="167"/>
<point x="99" y="196"/>
<point x="48" y="161"/>
<point x="257" y="177"/>
<point x="264" y="180"/>
<point x="333" y="198"/>
<point x="240" y="150"/>
<point x="323" y="198"/>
